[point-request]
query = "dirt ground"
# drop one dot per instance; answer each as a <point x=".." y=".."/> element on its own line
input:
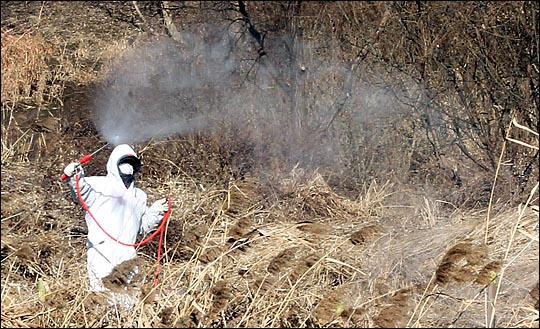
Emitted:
<point x="244" y="252"/>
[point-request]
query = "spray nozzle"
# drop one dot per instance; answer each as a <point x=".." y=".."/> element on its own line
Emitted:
<point x="87" y="158"/>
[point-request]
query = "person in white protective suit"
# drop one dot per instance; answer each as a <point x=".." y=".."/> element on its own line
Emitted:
<point x="119" y="207"/>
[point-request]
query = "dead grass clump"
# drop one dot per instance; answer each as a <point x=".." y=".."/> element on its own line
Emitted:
<point x="488" y="273"/>
<point x="190" y="239"/>
<point x="166" y="315"/>
<point x="315" y="228"/>
<point x="35" y="69"/>
<point x="332" y="306"/>
<point x="291" y="319"/>
<point x="366" y="234"/>
<point x="186" y="321"/>
<point x="95" y="300"/>
<point x="125" y="276"/>
<point x="281" y="260"/>
<point x="194" y="236"/>
<point x="33" y="259"/>
<point x="211" y="253"/>
<point x="394" y="313"/>
<point x="460" y="263"/>
<point x="60" y="297"/>
<point x="25" y="253"/>
<point x="240" y="229"/>
<point x="222" y="294"/>
<point x="303" y="266"/>
<point x="313" y="197"/>
<point x="243" y="195"/>
<point x="25" y="71"/>
<point x="260" y="285"/>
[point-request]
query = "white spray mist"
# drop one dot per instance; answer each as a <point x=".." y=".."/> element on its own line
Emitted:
<point x="161" y="89"/>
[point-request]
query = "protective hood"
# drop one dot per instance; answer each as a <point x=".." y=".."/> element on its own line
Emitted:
<point x="122" y="153"/>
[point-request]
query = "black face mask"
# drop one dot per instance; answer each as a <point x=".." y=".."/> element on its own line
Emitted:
<point x="135" y="163"/>
<point x="127" y="179"/>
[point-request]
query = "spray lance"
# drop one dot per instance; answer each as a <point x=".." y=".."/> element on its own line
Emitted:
<point x="87" y="158"/>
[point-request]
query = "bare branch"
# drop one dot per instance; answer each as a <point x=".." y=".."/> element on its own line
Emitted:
<point x="168" y="21"/>
<point x="258" y="36"/>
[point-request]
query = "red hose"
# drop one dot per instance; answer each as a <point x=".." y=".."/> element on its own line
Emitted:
<point x="160" y="230"/>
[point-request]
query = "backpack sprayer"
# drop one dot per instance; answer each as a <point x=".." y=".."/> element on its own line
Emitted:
<point x="87" y="158"/>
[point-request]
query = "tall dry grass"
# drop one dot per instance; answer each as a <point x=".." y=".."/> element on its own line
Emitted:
<point x="25" y="69"/>
<point x="36" y="71"/>
<point x="290" y="253"/>
<point x="25" y="78"/>
<point x="492" y="293"/>
<point x="312" y="258"/>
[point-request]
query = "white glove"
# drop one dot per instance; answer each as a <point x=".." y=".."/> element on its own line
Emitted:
<point x="71" y="169"/>
<point x="160" y="206"/>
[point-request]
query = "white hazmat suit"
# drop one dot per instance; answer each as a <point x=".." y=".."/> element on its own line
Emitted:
<point x="120" y="209"/>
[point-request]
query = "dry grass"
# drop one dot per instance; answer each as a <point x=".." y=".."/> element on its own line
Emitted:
<point x="288" y="253"/>
<point x="257" y="267"/>
<point x="25" y="73"/>
<point x="35" y="72"/>
<point x="24" y="79"/>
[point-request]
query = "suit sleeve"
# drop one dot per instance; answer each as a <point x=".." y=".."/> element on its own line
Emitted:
<point x="87" y="193"/>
